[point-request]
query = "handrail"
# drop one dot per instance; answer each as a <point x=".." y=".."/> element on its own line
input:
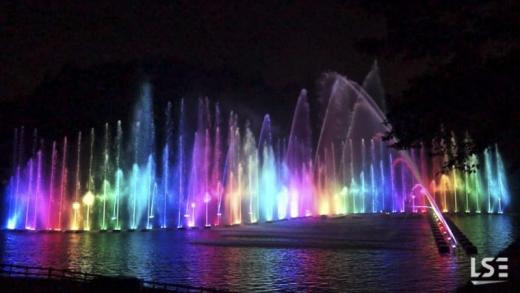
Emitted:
<point x="12" y="270"/>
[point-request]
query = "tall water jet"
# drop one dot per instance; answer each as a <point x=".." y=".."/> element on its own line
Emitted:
<point x="30" y="191"/>
<point x="501" y="181"/>
<point x="105" y="186"/>
<point x="454" y="151"/>
<point x="31" y="196"/>
<point x="455" y="186"/>
<point x="63" y="181"/>
<point x="180" y="163"/>
<point x="251" y="160"/>
<point x="168" y="138"/>
<point x="340" y="102"/>
<point x="372" y="176"/>
<point x="232" y="173"/>
<point x="491" y="186"/>
<point x="150" y="191"/>
<point x="392" y="183"/>
<point x="38" y="194"/>
<point x="216" y="176"/>
<point x="21" y="158"/>
<point x="423" y="167"/>
<point x="374" y="86"/>
<point x="362" y="176"/>
<point x="134" y="185"/>
<point x="11" y="221"/>
<point x="143" y="170"/>
<point x="466" y="189"/>
<point x="207" y="175"/>
<point x="166" y="158"/>
<point x="119" y="176"/>
<point x="198" y="183"/>
<point x="412" y="195"/>
<point x="353" y="188"/>
<point x="267" y="170"/>
<point x="88" y="198"/>
<point x="404" y="189"/>
<point x="298" y="158"/>
<point x="76" y="206"/>
<point x="382" y="175"/>
<point x="478" y="189"/>
<point x="50" y="200"/>
<point x="18" y="159"/>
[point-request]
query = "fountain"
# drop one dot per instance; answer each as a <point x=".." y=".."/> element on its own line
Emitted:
<point x="229" y="175"/>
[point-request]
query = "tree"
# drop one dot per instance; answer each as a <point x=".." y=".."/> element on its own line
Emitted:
<point x="469" y="88"/>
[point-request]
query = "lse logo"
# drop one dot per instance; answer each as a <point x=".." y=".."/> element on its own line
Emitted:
<point x="488" y="276"/>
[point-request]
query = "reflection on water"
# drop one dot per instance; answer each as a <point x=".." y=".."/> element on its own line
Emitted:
<point x="169" y="256"/>
<point x="489" y="233"/>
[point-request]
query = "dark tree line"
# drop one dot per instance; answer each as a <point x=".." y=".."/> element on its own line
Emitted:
<point x="470" y="87"/>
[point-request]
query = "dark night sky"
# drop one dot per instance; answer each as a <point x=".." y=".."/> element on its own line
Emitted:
<point x="52" y="54"/>
<point x="282" y="44"/>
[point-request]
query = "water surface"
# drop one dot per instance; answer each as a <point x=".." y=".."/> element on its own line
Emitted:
<point x="376" y="252"/>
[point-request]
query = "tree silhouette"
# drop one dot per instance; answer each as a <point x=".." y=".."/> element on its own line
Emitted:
<point x="472" y="54"/>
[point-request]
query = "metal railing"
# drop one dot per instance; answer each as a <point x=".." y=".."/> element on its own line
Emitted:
<point x="19" y="271"/>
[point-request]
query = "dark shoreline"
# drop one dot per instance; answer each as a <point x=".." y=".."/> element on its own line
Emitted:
<point x="97" y="284"/>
